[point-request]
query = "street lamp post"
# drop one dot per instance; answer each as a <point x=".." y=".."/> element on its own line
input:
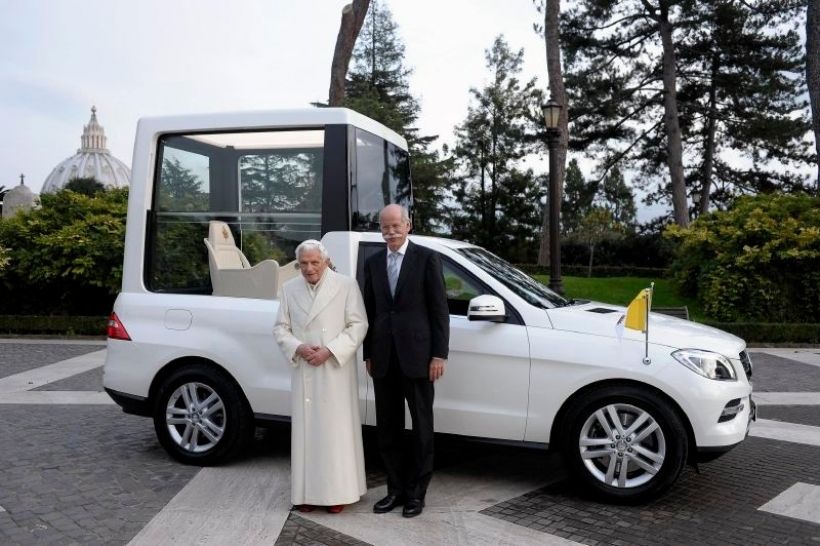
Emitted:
<point x="552" y="111"/>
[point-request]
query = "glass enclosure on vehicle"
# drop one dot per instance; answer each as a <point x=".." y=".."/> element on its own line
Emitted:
<point x="275" y="188"/>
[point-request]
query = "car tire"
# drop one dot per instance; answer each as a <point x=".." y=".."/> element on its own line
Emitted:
<point x="201" y="416"/>
<point x="616" y="457"/>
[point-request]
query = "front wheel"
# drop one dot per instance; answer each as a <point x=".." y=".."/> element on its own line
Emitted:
<point x="624" y="443"/>
<point x="200" y="416"/>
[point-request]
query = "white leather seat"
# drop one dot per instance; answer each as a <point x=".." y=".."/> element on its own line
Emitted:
<point x="231" y="274"/>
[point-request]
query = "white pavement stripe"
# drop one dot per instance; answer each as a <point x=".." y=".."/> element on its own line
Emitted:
<point x="806" y="356"/>
<point x="38" y="377"/>
<point x="56" y="397"/>
<point x="451" y="516"/>
<point x="786" y="398"/>
<point x="800" y="501"/>
<point x="245" y="503"/>
<point x="786" y="432"/>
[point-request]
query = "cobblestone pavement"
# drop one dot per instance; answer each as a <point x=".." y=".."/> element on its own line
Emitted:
<point x="89" y="474"/>
<point x="21" y="357"/>
<point x="778" y="374"/>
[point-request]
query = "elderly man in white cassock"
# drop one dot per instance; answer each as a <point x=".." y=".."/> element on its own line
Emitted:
<point x="321" y="324"/>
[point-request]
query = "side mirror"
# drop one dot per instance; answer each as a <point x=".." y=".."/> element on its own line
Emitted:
<point x="488" y="308"/>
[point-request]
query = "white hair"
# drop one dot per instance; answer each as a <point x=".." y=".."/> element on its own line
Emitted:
<point x="405" y="215"/>
<point x="312" y="244"/>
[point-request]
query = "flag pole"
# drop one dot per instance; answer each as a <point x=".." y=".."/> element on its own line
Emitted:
<point x="648" y="294"/>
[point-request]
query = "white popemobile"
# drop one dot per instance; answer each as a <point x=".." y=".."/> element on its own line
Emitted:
<point x="191" y="343"/>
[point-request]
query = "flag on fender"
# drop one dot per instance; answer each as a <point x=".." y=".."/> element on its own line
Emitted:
<point x="637" y="313"/>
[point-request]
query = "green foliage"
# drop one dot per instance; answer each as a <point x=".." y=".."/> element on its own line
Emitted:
<point x="378" y="87"/>
<point x="84" y="185"/>
<point x="4" y="258"/>
<point x="67" y="253"/>
<point x="578" y="196"/>
<point x="493" y="193"/>
<point x="766" y="332"/>
<point x="758" y="261"/>
<point x="738" y="92"/>
<point x="53" y="325"/>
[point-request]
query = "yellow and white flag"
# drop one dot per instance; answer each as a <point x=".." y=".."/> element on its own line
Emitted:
<point x="637" y="314"/>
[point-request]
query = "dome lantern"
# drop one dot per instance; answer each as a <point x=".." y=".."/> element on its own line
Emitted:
<point x="92" y="160"/>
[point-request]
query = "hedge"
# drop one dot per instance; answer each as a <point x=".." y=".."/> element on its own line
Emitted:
<point x="597" y="271"/>
<point x="771" y="332"/>
<point x="53" y="325"/>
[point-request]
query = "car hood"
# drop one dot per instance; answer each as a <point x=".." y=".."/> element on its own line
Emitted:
<point x="602" y="319"/>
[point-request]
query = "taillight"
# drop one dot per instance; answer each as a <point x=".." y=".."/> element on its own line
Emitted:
<point x="115" y="328"/>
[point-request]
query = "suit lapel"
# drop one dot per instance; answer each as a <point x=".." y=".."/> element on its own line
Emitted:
<point x="301" y="295"/>
<point x="328" y="290"/>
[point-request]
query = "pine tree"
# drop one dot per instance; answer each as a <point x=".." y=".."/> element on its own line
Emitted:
<point x="735" y="93"/>
<point x="491" y="142"/>
<point x="378" y="87"/>
<point x="616" y="197"/>
<point x="578" y="197"/>
<point x="740" y="98"/>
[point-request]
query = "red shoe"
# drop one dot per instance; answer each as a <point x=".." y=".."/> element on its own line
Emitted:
<point x="336" y="509"/>
<point x="306" y="507"/>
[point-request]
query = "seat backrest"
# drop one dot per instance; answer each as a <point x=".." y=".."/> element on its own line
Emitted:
<point x="225" y="253"/>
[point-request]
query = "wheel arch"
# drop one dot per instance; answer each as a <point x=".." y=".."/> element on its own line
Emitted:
<point x="559" y="422"/>
<point x="171" y="367"/>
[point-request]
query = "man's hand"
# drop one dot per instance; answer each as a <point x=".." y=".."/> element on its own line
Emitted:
<point x="369" y="365"/>
<point x="319" y="356"/>
<point x="305" y="351"/>
<point x="436" y="369"/>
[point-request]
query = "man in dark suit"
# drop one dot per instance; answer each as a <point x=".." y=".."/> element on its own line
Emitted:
<point x="405" y="351"/>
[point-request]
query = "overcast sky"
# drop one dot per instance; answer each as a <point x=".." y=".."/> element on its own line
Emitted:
<point x="154" y="57"/>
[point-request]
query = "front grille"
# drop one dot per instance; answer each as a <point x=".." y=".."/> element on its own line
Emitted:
<point x="747" y="363"/>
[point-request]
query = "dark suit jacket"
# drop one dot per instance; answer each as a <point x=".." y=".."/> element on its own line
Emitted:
<point x="416" y="322"/>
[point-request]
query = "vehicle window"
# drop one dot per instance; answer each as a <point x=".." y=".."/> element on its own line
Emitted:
<point x="382" y="177"/>
<point x="523" y="285"/>
<point x="267" y="185"/>
<point x="460" y="287"/>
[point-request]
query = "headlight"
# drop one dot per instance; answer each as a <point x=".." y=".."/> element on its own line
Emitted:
<point x="707" y="364"/>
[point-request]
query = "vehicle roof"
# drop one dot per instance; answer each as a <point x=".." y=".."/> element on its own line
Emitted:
<point x="268" y="119"/>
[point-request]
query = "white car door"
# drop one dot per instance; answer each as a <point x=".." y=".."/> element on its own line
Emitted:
<point x="484" y="391"/>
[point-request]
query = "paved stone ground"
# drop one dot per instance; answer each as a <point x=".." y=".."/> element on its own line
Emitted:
<point x="777" y="374"/>
<point x="21" y="357"/>
<point x="299" y="531"/>
<point x="804" y="415"/>
<point x="81" y="475"/>
<point x="88" y="381"/>
<point x="93" y="475"/>
<point x="719" y="506"/>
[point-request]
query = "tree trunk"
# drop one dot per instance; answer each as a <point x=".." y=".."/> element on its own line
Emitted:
<point x="552" y="42"/>
<point x="813" y="73"/>
<point x="674" y="146"/>
<point x="591" y="254"/>
<point x="352" y="20"/>
<point x="709" y="144"/>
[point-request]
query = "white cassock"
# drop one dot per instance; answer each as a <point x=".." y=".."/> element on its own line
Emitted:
<point x="327" y="458"/>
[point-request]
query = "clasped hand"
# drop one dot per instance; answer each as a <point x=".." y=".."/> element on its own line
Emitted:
<point x="314" y="355"/>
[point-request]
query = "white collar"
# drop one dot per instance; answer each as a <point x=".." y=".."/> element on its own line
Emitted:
<point x="402" y="249"/>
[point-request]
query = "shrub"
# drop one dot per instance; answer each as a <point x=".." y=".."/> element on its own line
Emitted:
<point x="65" y="257"/>
<point x="757" y="262"/>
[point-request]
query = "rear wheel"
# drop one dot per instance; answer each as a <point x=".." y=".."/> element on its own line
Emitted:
<point x="624" y="443"/>
<point x="201" y="416"/>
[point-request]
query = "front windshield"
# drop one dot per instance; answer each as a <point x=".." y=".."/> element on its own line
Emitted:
<point x="523" y="285"/>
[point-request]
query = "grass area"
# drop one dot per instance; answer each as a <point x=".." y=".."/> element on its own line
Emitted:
<point x="621" y="290"/>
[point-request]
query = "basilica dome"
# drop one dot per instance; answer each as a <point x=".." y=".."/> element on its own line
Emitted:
<point x="92" y="160"/>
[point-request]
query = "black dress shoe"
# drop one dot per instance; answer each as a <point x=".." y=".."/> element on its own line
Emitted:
<point x="388" y="503"/>
<point x="412" y="508"/>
